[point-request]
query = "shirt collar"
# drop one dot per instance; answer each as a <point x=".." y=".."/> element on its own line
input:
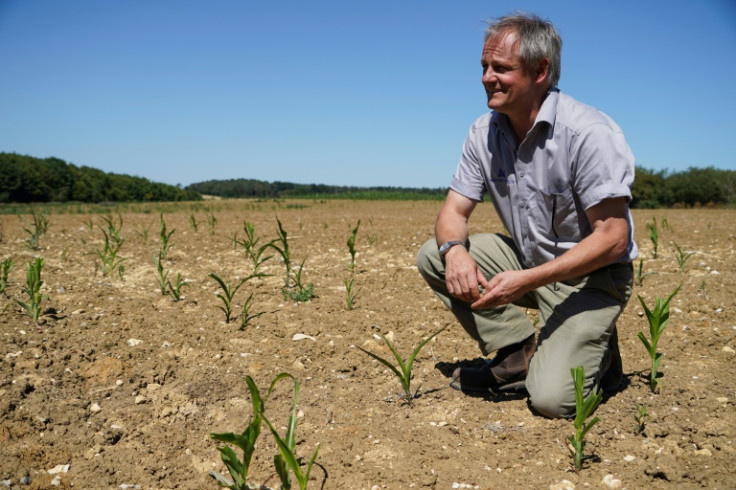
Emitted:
<point x="547" y="113"/>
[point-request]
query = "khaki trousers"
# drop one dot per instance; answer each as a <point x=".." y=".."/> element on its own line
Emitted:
<point x="577" y="319"/>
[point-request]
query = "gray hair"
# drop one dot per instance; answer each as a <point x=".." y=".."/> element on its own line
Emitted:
<point x="538" y="39"/>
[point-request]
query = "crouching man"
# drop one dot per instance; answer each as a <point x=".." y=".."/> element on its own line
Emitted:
<point x="559" y="174"/>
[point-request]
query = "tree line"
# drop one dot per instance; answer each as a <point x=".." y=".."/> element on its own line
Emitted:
<point x="28" y="179"/>
<point x="235" y="188"/>
<point x="652" y="189"/>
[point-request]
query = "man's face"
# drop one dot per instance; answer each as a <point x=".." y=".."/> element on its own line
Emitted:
<point x="510" y="88"/>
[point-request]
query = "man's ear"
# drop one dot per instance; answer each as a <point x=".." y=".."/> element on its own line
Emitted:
<point x="540" y="76"/>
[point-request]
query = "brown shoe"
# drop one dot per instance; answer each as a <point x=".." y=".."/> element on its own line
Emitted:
<point x="505" y="372"/>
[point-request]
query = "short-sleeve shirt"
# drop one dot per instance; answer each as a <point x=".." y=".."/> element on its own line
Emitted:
<point x="573" y="158"/>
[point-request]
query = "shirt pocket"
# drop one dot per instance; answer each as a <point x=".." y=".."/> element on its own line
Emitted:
<point x="556" y="215"/>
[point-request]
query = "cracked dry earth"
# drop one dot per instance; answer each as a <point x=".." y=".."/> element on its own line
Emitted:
<point x="119" y="386"/>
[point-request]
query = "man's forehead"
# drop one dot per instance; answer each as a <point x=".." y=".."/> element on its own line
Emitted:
<point x="501" y="41"/>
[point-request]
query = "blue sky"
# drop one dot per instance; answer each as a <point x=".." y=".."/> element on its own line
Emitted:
<point x="340" y="92"/>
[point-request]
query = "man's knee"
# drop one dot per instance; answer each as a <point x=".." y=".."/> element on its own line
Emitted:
<point x="426" y="256"/>
<point x="556" y="403"/>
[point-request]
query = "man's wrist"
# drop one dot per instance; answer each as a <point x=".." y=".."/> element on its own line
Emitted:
<point x="448" y="245"/>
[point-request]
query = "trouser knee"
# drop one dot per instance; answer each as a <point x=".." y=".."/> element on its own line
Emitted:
<point x="553" y="402"/>
<point x="427" y="258"/>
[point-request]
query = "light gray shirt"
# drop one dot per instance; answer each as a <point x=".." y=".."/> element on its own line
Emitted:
<point x="573" y="158"/>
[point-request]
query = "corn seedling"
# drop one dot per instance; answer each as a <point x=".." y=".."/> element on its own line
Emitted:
<point x="248" y="315"/>
<point x="584" y="408"/>
<point x="251" y="248"/>
<point x="193" y="224"/>
<point x="302" y="292"/>
<point x="228" y="293"/>
<point x="351" y="246"/>
<point x="238" y="468"/>
<point x="653" y="236"/>
<point x="403" y="371"/>
<point x="657" y="322"/>
<point x="108" y="254"/>
<point x="176" y="286"/>
<point x="350" y="293"/>
<point x="286" y="459"/>
<point x="38" y="227"/>
<point x="165" y="237"/>
<point x="33" y="289"/>
<point x="143" y="232"/>
<point x="682" y="257"/>
<point x="639" y="274"/>
<point x="211" y="223"/>
<point x="5" y="266"/>
<point x="162" y="274"/>
<point x="89" y="224"/>
<point x="641" y="419"/>
<point x="283" y="251"/>
<point x="372" y="239"/>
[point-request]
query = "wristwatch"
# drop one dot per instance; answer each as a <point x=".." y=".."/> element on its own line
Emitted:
<point x="445" y="247"/>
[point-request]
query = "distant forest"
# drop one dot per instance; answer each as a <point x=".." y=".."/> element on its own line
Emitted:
<point x="256" y="188"/>
<point x="693" y="187"/>
<point x="27" y="179"/>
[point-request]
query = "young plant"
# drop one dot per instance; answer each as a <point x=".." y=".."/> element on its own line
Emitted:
<point x="641" y="419"/>
<point x="109" y="259"/>
<point x="657" y="322"/>
<point x="38" y="227"/>
<point x="165" y="237"/>
<point x="286" y="459"/>
<point x="211" y="223"/>
<point x="162" y="274"/>
<point x="283" y="250"/>
<point x="193" y="224"/>
<point x="403" y="371"/>
<point x="301" y="293"/>
<point x="228" y="293"/>
<point x="143" y="232"/>
<point x="176" y="286"/>
<point x="639" y="274"/>
<point x="351" y="246"/>
<point x="250" y="246"/>
<point x="5" y="266"/>
<point x="247" y="315"/>
<point x="682" y="257"/>
<point x="350" y="293"/>
<point x="33" y="289"/>
<point x="653" y="236"/>
<point x="584" y="408"/>
<point x="246" y="441"/>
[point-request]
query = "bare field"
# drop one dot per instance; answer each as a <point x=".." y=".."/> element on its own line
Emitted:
<point x="124" y="384"/>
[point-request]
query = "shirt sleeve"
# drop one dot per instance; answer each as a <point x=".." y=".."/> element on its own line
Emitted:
<point x="604" y="165"/>
<point x="468" y="179"/>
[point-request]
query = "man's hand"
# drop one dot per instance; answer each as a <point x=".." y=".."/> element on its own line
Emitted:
<point x="503" y="288"/>
<point x="462" y="275"/>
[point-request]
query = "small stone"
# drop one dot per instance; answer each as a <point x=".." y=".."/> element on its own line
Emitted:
<point x="59" y="468"/>
<point x="56" y="481"/>
<point x="140" y="399"/>
<point x="611" y="482"/>
<point x="26" y="480"/>
<point x="704" y="452"/>
<point x="729" y="350"/>
<point x="301" y="336"/>
<point x="629" y="458"/>
<point x="134" y="342"/>
<point x="95" y="408"/>
<point x="562" y="485"/>
<point x="6" y="483"/>
<point x="722" y="399"/>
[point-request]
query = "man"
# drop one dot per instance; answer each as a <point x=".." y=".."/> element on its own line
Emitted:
<point x="559" y="174"/>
